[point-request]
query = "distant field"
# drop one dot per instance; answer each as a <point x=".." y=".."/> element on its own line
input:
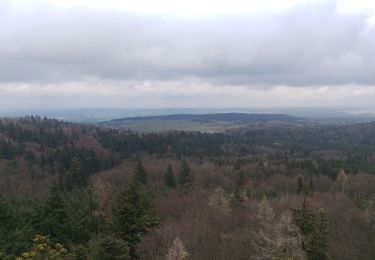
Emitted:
<point x="209" y="123"/>
<point x="179" y="125"/>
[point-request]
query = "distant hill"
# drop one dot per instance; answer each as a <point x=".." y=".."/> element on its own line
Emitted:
<point x="224" y="117"/>
<point x="196" y="122"/>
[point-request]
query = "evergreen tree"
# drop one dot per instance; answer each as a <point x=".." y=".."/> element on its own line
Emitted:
<point x="74" y="177"/>
<point x="307" y="189"/>
<point x="133" y="214"/>
<point x="53" y="220"/>
<point x="4" y="256"/>
<point x="6" y="226"/>
<point x="81" y="253"/>
<point x="185" y="178"/>
<point x="5" y="212"/>
<point x="78" y="205"/>
<point x="7" y="151"/>
<point x="141" y="173"/>
<point x="169" y="179"/>
<point x="317" y="249"/>
<point x="15" y="229"/>
<point x="300" y="185"/>
<point x="314" y="230"/>
<point x="310" y="188"/>
<point x="111" y="248"/>
<point x="304" y="218"/>
<point x="239" y="178"/>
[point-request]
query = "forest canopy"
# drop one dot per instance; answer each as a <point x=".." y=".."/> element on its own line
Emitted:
<point x="267" y="191"/>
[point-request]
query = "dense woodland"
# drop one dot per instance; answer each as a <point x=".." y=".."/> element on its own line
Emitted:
<point x="292" y="190"/>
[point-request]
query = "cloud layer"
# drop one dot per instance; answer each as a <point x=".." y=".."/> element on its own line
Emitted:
<point x="318" y="52"/>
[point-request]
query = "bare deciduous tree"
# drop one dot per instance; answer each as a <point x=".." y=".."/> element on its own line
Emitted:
<point x="177" y="251"/>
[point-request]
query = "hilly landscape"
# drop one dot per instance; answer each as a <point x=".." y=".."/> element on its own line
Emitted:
<point x="187" y="130"/>
<point x="218" y="122"/>
<point x="223" y="192"/>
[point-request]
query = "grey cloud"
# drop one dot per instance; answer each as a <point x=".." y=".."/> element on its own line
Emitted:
<point x="306" y="46"/>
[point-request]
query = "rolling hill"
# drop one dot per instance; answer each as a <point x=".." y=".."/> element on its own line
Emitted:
<point x="196" y="122"/>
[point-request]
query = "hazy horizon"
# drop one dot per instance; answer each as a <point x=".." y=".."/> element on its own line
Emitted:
<point x="92" y="115"/>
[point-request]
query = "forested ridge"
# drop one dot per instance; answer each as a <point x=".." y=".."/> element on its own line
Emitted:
<point x="223" y="117"/>
<point x="267" y="191"/>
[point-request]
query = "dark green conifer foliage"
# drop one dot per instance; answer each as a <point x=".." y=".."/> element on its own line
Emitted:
<point x="74" y="178"/>
<point x="7" y="150"/>
<point x="5" y="213"/>
<point x="314" y="230"/>
<point x="4" y="256"/>
<point x="185" y="178"/>
<point x="141" y="173"/>
<point x="317" y="249"/>
<point x="169" y="178"/>
<point x="111" y="248"/>
<point x="15" y="229"/>
<point x="311" y="188"/>
<point x="300" y="185"/>
<point x="54" y="220"/>
<point x="6" y="226"/>
<point x="304" y="218"/>
<point x="306" y="188"/>
<point x="78" y="206"/>
<point x="239" y="178"/>
<point x="81" y="253"/>
<point x="66" y="216"/>
<point x="133" y="214"/>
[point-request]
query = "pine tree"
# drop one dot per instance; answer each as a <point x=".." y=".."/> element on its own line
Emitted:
<point x="141" y="173"/>
<point x="133" y="214"/>
<point x="310" y="188"/>
<point x="75" y="175"/>
<point x="300" y="185"/>
<point x="5" y="213"/>
<point x="169" y="179"/>
<point x="185" y="178"/>
<point x="314" y="229"/>
<point x="4" y="256"/>
<point x="317" y="248"/>
<point x="77" y="206"/>
<point x="111" y="248"/>
<point x="53" y="220"/>
<point x="304" y="218"/>
<point x="70" y="177"/>
<point x="6" y="225"/>
<point x="15" y="230"/>
<point x="81" y="253"/>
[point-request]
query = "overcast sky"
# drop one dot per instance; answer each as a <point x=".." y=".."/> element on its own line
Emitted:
<point x="193" y="53"/>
